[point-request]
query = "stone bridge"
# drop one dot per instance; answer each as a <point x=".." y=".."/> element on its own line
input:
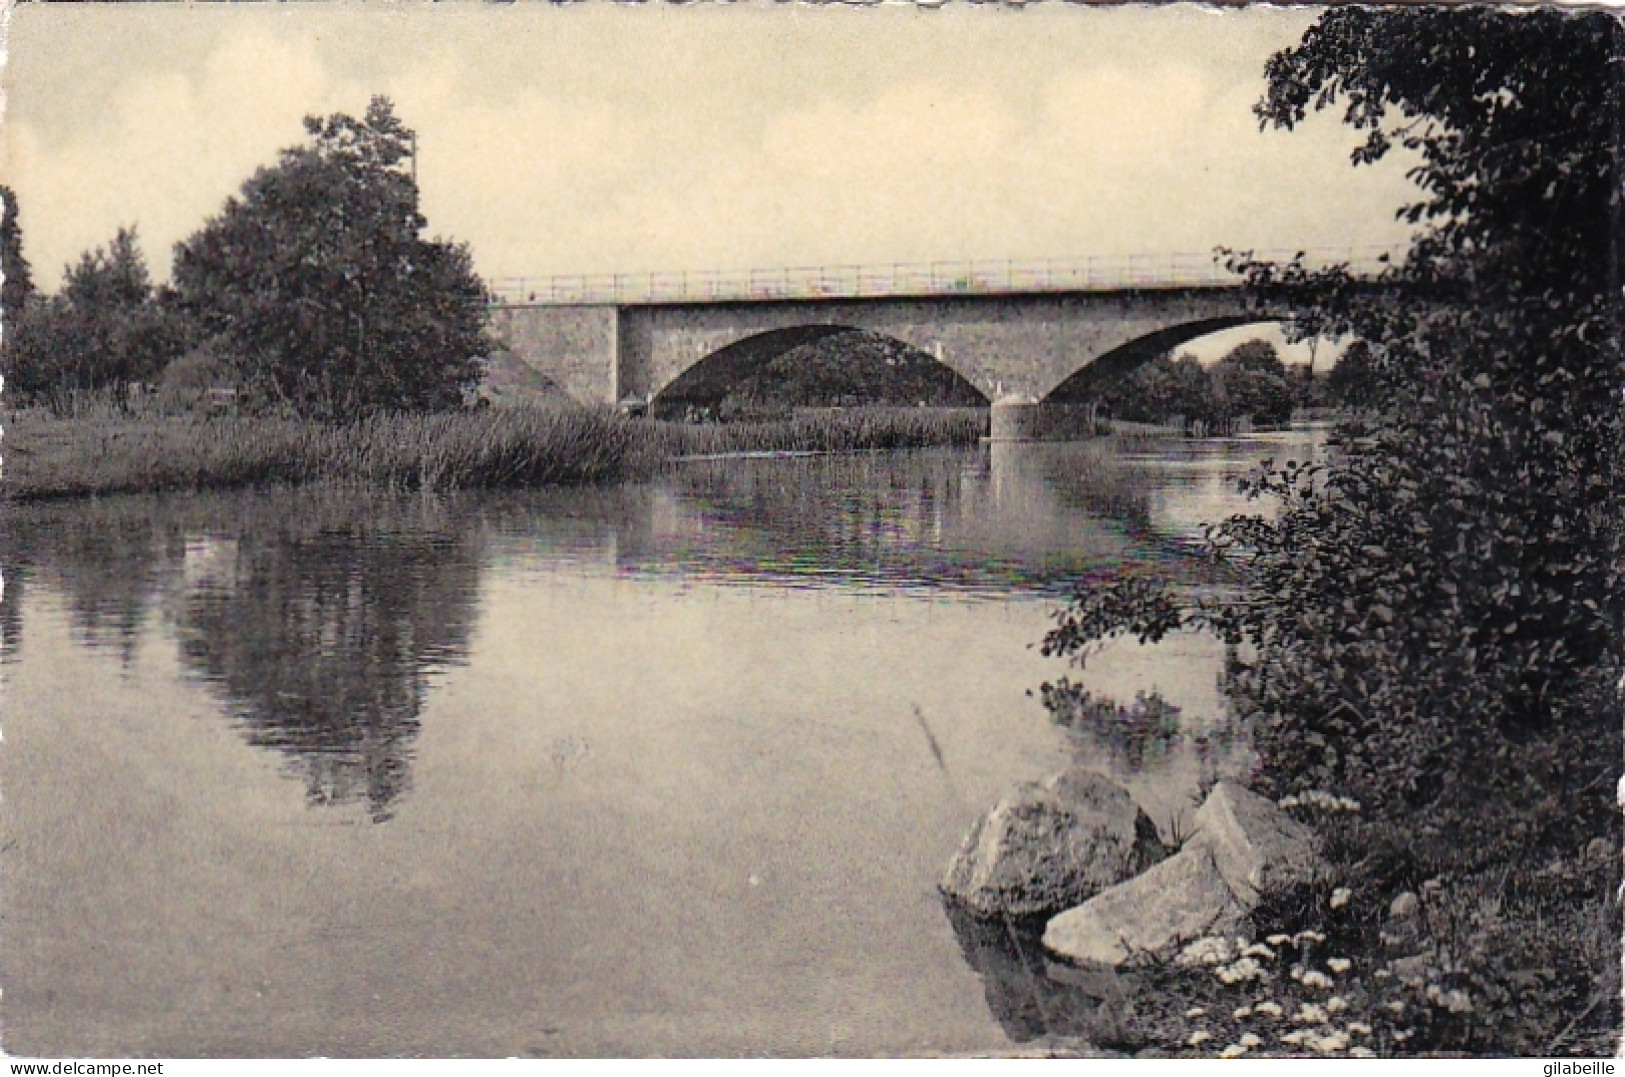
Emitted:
<point x="1042" y="345"/>
<point x="1043" y="331"/>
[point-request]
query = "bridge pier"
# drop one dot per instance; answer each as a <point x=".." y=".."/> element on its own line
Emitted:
<point x="1013" y="418"/>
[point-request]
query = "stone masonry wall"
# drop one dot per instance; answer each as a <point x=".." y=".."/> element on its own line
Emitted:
<point x="575" y="346"/>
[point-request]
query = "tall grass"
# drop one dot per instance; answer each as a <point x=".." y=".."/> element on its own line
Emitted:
<point x="846" y="430"/>
<point x="110" y="451"/>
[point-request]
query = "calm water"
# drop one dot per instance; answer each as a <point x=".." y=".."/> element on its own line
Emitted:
<point x="665" y="769"/>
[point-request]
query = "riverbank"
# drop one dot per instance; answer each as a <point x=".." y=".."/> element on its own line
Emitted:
<point x="109" y="451"/>
<point x="1395" y="953"/>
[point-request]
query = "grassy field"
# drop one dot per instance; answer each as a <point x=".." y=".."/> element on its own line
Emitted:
<point x="109" y="451"/>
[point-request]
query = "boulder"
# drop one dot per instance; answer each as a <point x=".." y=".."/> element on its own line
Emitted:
<point x="1257" y="848"/>
<point x="1047" y="846"/>
<point x="1183" y="898"/>
<point x="1243" y="849"/>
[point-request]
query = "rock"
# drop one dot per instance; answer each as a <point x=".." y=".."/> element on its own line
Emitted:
<point x="1046" y="847"/>
<point x="1257" y="847"/>
<point x="1404" y="905"/>
<point x="1181" y="899"/>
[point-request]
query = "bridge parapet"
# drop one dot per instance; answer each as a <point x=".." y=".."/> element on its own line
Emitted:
<point x="906" y="279"/>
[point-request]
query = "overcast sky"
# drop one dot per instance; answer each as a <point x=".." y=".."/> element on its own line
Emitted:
<point x="598" y="138"/>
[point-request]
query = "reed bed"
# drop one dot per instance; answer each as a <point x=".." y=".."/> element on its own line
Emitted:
<point x="108" y="451"/>
<point x="846" y="430"/>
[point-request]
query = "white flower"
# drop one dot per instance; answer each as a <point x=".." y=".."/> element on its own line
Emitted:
<point x="1308" y="936"/>
<point x="1258" y="949"/>
<point x="1211" y="950"/>
<point x="1279" y="940"/>
<point x="1339" y="965"/>
<point x="1269" y="1009"/>
<point x="1337" y="1041"/>
<point x="1250" y="1040"/>
<point x="1196" y="1011"/>
<point x="1335" y="1004"/>
<point x="1310" y="1014"/>
<point x="1361" y="1052"/>
<point x="1317" y="979"/>
<point x="1297" y="1037"/>
<point x="1235" y="1050"/>
<point x="1240" y="972"/>
<point x="1396" y="1007"/>
<point x="1359" y="1028"/>
<point x="1348" y="804"/>
<point x="1198" y="1038"/>
<point x="1242" y="1013"/>
<point x="1288" y="802"/>
<point x="1340" y="897"/>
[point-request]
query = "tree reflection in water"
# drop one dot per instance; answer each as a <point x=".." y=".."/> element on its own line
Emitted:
<point x="315" y="615"/>
<point x="321" y="640"/>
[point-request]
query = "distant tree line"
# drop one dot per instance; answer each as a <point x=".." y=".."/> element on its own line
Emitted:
<point x="1251" y="381"/>
<point x="312" y="292"/>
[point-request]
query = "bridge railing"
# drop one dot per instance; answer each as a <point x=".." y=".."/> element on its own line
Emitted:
<point x="906" y="278"/>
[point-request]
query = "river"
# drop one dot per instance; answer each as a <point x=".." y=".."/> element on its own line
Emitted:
<point x="670" y="768"/>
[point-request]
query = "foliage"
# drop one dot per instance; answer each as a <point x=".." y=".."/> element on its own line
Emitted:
<point x="835" y="368"/>
<point x="106" y="329"/>
<point x="1353" y="383"/>
<point x="317" y="278"/>
<point x="1430" y="617"/>
<point x="18" y="286"/>
<point x="1437" y="589"/>
<point x="1161" y="389"/>
<point x="1251" y="380"/>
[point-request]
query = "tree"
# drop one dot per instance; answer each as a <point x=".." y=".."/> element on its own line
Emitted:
<point x="1251" y="380"/>
<point x="1436" y="611"/>
<point x="18" y="285"/>
<point x="1166" y="387"/>
<point x="105" y="329"/>
<point x="1352" y="382"/>
<point x="316" y="277"/>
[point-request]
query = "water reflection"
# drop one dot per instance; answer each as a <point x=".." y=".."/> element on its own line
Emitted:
<point x="321" y="643"/>
<point x="104" y="557"/>
<point x="315" y="616"/>
<point x="725" y="803"/>
<point x="1032" y="996"/>
<point x="987" y="521"/>
<point x="12" y="582"/>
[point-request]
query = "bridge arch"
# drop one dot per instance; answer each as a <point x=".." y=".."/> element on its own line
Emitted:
<point x="876" y="364"/>
<point x="1086" y="383"/>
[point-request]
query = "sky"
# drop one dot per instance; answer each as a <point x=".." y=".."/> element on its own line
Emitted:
<point x="600" y="138"/>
